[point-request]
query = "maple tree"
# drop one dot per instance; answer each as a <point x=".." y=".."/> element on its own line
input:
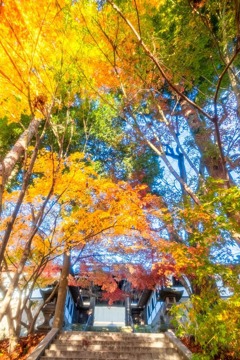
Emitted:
<point x="66" y="206"/>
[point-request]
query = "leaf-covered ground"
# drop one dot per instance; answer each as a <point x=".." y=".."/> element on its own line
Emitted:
<point x="25" y="346"/>
<point x="195" y="348"/>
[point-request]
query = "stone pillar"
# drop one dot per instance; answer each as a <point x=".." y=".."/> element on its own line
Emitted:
<point x="92" y="310"/>
<point x="48" y="309"/>
<point x="48" y="312"/>
<point x="127" y="311"/>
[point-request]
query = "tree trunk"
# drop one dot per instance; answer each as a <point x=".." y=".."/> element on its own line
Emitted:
<point x="202" y="135"/>
<point x="13" y="337"/>
<point x="26" y="179"/>
<point x="5" y="305"/>
<point x="13" y="156"/>
<point x="12" y="286"/>
<point x="62" y="292"/>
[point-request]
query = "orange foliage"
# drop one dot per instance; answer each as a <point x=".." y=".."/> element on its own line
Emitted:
<point x="25" y="346"/>
<point x="81" y="207"/>
<point x="41" y="69"/>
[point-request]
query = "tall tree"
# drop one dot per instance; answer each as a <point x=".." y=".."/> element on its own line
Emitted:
<point x="184" y="112"/>
<point x="187" y="114"/>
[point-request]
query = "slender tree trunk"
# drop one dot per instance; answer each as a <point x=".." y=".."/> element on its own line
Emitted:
<point x="12" y="286"/>
<point x="10" y="224"/>
<point x="13" y="156"/>
<point x="19" y="314"/>
<point x="8" y="296"/>
<point x="13" y="337"/>
<point x="62" y="292"/>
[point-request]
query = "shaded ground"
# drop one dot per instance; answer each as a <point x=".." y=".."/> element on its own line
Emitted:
<point x="25" y="346"/>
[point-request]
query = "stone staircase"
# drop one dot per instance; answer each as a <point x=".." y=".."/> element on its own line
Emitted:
<point x="112" y="346"/>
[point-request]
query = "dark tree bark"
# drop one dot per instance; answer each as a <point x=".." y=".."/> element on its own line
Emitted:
<point x="62" y="293"/>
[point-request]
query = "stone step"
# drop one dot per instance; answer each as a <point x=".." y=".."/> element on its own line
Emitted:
<point x="106" y="354"/>
<point x="144" y="357"/>
<point x="52" y="352"/>
<point x="93" y="341"/>
<point x="112" y="346"/>
<point x="109" y="333"/>
<point x="110" y="336"/>
<point x="168" y="354"/>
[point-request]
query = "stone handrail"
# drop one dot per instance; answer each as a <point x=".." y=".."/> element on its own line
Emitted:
<point x="43" y="345"/>
<point x="185" y="353"/>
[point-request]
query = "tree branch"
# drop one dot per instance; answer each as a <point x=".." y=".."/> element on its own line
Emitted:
<point x="156" y="62"/>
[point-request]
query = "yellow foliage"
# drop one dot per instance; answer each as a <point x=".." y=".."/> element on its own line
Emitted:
<point x="40" y="67"/>
<point x="77" y="206"/>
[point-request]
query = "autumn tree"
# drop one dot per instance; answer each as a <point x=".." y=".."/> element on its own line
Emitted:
<point x="177" y="65"/>
<point x="169" y="106"/>
<point x="66" y="206"/>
